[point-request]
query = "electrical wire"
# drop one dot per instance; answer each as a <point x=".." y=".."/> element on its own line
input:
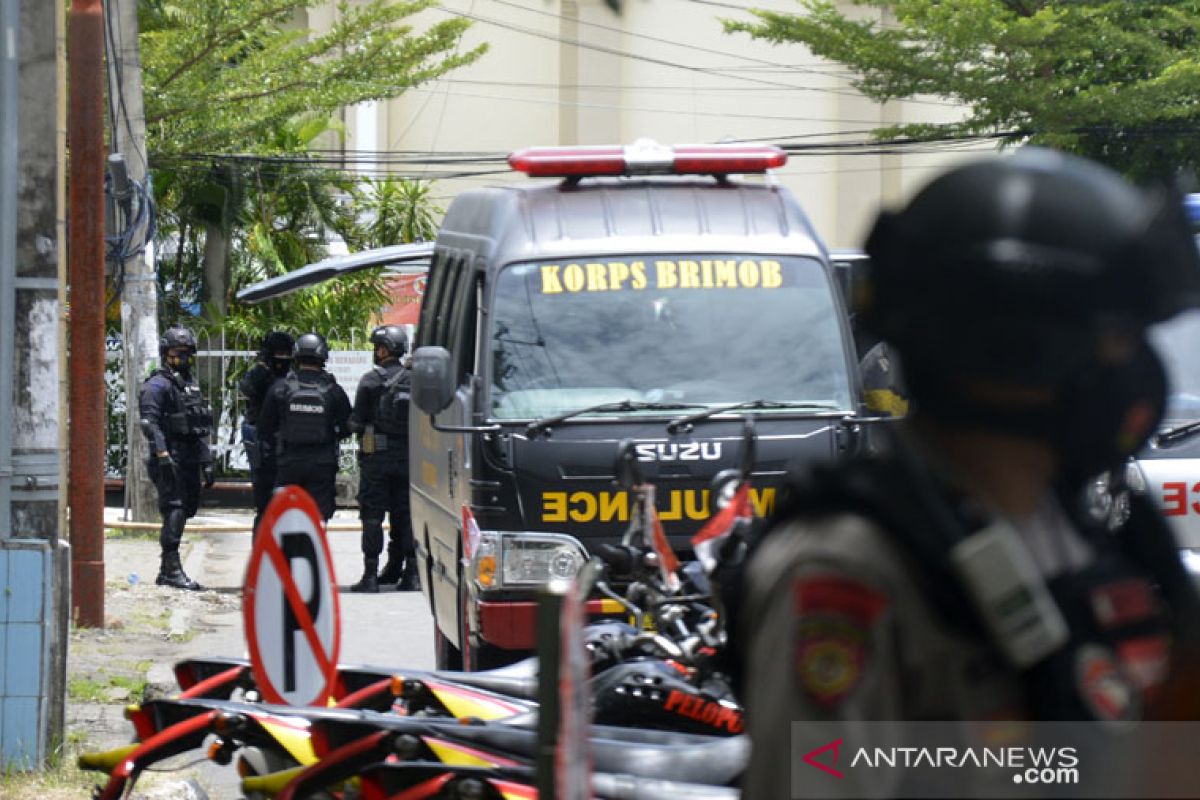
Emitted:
<point x="646" y="110"/>
<point x="123" y="246"/>
<point x="117" y="83"/>
<point x="610" y="50"/>
<point x="655" y="39"/>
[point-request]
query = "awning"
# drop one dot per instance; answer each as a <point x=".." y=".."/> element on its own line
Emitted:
<point x="417" y="254"/>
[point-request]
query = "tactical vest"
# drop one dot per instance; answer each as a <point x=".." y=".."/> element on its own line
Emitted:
<point x="391" y="408"/>
<point x="194" y="418"/>
<point x="1121" y="633"/>
<point x="307" y="412"/>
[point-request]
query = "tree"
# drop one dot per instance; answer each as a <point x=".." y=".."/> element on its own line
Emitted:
<point x="1115" y="80"/>
<point x="228" y="77"/>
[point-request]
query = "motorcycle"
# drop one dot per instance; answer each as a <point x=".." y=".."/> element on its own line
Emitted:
<point x="657" y="671"/>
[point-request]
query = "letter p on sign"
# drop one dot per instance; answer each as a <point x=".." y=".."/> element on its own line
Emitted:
<point x="290" y="603"/>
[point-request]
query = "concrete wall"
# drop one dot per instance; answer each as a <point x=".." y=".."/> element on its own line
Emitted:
<point x="34" y="561"/>
<point x="573" y="72"/>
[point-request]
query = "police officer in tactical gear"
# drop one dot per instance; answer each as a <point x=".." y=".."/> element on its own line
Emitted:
<point x="177" y="421"/>
<point x="304" y="417"/>
<point x="273" y="362"/>
<point x="954" y="577"/>
<point x="380" y="419"/>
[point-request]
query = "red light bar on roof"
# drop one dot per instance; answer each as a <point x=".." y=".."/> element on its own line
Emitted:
<point x="645" y="157"/>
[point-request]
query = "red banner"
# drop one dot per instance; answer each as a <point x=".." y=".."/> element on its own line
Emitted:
<point x="406" y="292"/>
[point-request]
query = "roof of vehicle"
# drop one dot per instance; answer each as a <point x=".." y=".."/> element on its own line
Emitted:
<point x="564" y="219"/>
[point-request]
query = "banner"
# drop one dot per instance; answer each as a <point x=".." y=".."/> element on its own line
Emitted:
<point x="406" y="292"/>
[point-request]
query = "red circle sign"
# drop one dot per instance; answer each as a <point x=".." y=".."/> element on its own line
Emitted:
<point x="290" y="603"/>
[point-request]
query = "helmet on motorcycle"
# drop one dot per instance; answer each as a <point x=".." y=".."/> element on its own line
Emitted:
<point x="311" y="348"/>
<point x="393" y="338"/>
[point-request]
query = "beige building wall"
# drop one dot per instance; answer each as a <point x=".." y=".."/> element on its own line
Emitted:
<point x="575" y="72"/>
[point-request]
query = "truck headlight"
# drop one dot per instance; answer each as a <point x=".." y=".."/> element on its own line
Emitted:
<point x="515" y="559"/>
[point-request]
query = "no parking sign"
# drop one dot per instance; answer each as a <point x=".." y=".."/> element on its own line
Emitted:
<point x="290" y="603"/>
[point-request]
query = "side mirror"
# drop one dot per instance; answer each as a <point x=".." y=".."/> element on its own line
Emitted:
<point x="883" y="386"/>
<point x="432" y="379"/>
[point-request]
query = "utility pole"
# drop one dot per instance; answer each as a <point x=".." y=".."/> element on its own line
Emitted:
<point x="139" y="296"/>
<point x="85" y="128"/>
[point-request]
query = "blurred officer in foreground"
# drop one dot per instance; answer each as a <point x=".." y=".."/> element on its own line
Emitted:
<point x="952" y="578"/>
<point x="273" y="362"/>
<point x="380" y="419"/>
<point x="177" y="421"/>
<point x="304" y="417"/>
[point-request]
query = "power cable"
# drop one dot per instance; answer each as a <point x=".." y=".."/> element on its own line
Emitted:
<point x="645" y="110"/>
<point x="610" y="50"/>
<point x="645" y="37"/>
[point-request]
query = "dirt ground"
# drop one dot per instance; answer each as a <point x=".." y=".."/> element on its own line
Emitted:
<point x="147" y="628"/>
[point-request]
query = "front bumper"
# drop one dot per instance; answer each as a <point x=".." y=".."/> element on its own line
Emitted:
<point x="512" y="624"/>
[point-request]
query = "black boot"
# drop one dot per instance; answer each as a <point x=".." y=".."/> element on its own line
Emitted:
<point x="171" y="573"/>
<point x="369" y="583"/>
<point x="394" y="569"/>
<point x="409" y="578"/>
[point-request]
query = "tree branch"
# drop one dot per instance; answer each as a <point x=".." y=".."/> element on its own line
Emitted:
<point x="221" y="39"/>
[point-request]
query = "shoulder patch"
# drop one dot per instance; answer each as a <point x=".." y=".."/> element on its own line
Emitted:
<point x="834" y="615"/>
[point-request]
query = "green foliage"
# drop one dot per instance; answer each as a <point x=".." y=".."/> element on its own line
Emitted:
<point x="226" y="75"/>
<point x="1115" y="80"/>
<point x="242" y="77"/>
<point x="383" y="212"/>
<point x="400" y="211"/>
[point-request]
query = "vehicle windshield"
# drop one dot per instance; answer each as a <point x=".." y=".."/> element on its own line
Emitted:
<point x="690" y="329"/>
<point x="1176" y="342"/>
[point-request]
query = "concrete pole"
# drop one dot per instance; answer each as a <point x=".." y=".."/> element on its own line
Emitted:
<point x="139" y="299"/>
<point x="9" y="84"/>
<point x="35" y="413"/>
<point x="86" y="251"/>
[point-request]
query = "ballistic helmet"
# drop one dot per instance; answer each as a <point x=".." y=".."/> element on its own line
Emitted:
<point x="1015" y="269"/>
<point x="311" y="348"/>
<point x="277" y="342"/>
<point x="176" y="336"/>
<point x="392" y="337"/>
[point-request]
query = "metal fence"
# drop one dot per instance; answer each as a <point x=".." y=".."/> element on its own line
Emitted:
<point x="220" y="364"/>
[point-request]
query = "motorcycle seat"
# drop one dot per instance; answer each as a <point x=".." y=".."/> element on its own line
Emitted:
<point x="716" y="761"/>
<point x="517" y="680"/>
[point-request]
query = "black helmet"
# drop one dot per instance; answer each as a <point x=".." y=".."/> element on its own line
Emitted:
<point x="176" y="336"/>
<point x="1015" y="268"/>
<point x="311" y="347"/>
<point x="392" y="337"/>
<point x="277" y="342"/>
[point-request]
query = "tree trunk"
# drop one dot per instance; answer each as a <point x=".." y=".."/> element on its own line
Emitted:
<point x="216" y="270"/>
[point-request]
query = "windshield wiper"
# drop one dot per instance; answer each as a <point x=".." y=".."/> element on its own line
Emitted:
<point x="1178" y="433"/>
<point x="533" y="428"/>
<point x="691" y="419"/>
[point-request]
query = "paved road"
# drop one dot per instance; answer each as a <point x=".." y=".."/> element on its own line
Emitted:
<point x="386" y="629"/>
<point x="392" y="629"/>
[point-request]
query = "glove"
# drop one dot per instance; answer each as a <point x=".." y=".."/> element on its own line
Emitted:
<point x="167" y="472"/>
<point x="210" y="475"/>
